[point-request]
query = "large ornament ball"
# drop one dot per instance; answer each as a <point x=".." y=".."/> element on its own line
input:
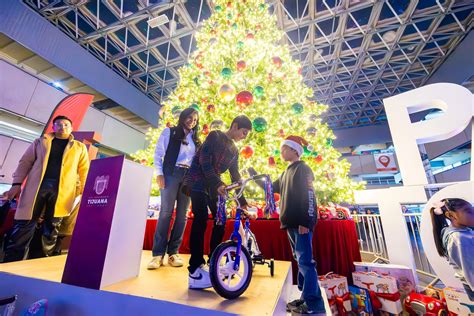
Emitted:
<point x="241" y="65"/>
<point x="211" y="108"/>
<point x="240" y="44"/>
<point x="196" y="107"/>
<point x="226" y="73"/>
<point x="313" y="117"/>
<point x="205" y="129"/>
<point x="311" y="131"/>
<point x="176" y="109"/>
<point x="260" y="124"/>
<point x="329" y="142"/>
<point x="259" y="92"/>
<point x="276" y="152"/>
<point x="297" y="108"/>
<point x="276" y="196"/>
<point x="217" y="124"/>
<point x="318" y="159"/>
<point x="244" y="98"/>
<point x="218" y="8"/>
<point x="227" y="92"/>
<point x="246" y="152"/>
<point x="277" y="61"/>
<point x="250" y="36"/>
<point x="271" y="161"/>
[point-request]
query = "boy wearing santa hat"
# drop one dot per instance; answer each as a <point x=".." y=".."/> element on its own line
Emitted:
<point x="298" y="216"/>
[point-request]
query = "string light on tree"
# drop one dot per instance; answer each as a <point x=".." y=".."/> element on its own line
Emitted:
<point x="240" y="67"/>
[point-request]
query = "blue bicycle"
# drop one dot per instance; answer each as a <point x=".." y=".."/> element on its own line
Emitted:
<point x="232" y="261"/>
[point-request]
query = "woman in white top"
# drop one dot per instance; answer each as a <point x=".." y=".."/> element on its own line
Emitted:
<point x="174" y="153"/>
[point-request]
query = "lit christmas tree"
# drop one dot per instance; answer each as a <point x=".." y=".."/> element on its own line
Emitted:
<point x="239" y="67"/>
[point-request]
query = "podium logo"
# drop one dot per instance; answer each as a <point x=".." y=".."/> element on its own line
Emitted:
<point x="100" y="184"/>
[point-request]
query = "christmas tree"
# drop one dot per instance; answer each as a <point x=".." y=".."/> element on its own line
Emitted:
<point x="240" y="67"/>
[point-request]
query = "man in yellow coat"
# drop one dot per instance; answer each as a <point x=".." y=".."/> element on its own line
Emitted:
<point x="55" y="167"/>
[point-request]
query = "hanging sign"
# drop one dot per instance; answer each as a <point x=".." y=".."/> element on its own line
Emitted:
<point x="385" y="162"/>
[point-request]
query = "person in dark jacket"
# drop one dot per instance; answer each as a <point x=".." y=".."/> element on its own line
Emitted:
<point x="174" y="153"/>
<point x="298" y="215"/>
<point x="203" y="182"/>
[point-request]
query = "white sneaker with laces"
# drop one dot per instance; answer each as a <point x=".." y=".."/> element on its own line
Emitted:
<point x="175" y="261"/>
<point x="155" y="263"/>
<point x="200" y="278"/>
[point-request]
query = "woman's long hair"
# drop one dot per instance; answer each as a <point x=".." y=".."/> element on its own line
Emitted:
<point x="439" y="221"/>
<point x="182" y="118"/>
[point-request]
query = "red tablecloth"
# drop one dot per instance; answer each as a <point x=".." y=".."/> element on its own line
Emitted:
<point x="335" y="244"/>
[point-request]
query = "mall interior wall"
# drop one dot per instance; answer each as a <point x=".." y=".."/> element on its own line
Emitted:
<point x="27" y="96"/>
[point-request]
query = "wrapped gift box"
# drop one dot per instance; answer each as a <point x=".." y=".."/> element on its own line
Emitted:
<point x="337" y="291"/>
<point x="406" y="282"/>
<point x="384" y="288"/>
<point x="360" y="301"/>
<point x="458" y="302"/>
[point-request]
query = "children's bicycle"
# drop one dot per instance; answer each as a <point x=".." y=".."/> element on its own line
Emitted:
<point x="232" y="261"/>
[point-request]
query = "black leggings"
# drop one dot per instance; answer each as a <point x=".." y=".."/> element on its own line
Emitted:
<point x="18" y="239"/>
<point x="200" y="202"/>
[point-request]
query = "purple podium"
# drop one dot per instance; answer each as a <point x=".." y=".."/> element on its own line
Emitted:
<point x="106" y="246"/>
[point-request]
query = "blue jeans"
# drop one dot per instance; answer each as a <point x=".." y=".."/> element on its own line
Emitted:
<point x="301" y="245"/>
<point x="169" y="195"/>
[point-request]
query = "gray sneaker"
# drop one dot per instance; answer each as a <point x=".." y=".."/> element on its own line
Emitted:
<point x="293" y="304"/>
<point x="303" y="309"/>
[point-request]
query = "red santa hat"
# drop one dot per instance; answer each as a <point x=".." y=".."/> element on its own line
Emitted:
<point x="295" y="142"/>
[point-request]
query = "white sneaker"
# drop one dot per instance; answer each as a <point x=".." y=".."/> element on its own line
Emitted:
<point x="175" y="261"/>
<point x="200" y="278"/>
<point x="155" y="263"/>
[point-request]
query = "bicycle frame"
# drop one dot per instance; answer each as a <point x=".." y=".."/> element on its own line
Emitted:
<point x="236" y="235"/>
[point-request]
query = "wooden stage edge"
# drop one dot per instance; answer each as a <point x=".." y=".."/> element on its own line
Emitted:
<point x="266" y="295"/>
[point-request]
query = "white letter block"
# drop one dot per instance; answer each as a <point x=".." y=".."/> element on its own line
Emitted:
<point x="455" y="101"/>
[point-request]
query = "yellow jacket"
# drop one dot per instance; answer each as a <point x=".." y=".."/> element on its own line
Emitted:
<point x="32" y="166"/>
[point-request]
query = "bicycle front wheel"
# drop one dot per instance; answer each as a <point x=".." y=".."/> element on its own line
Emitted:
<point x="227" y="281"/>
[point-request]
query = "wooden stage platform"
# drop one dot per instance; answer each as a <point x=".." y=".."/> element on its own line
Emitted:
<point x="266" y="295"/>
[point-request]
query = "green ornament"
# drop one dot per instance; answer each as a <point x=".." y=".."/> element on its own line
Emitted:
<point x="196" y="107"/>
<point x="328" y="142"/>
<point x="261" y="6"/>
<point x="306" y="151"/>
<point x="196" y="81"/>
<point x="260" y="124"/>
<point x="218" y="8"/>
<point x="229" y="16"/>
<point x="258" y="92"/>
<point x="297" y="108"/>
<point x="276" y="152"/>
<point x="175" y="109"/>
<point x="314" y="154"/>
<point x="226" y="73"/>
<point x="234" y="26"/>
<point x="240" y="44"/>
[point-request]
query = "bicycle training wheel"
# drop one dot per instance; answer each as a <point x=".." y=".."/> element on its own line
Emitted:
<point x="226" y="281"/>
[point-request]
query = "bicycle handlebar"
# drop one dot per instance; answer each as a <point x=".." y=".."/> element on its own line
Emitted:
<point x="241" y="184"/>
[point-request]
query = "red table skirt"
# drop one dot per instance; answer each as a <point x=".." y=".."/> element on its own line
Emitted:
<point x="335" y="245"/>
